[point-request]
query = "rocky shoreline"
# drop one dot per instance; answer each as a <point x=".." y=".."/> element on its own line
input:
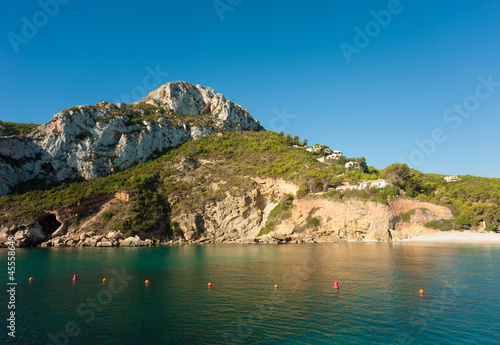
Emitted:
<point x="116" y="239"/>
<point x="238" y="219"/>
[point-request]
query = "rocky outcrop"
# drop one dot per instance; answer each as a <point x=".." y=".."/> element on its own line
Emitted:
<point x="348" y="220"/>
<point x="404" y="205"/>
<point x="236" y="217"/>
<point x="239" y="217"/>
<point x="185" y="98"/>
<point x="89" y="141"/>
<point x="359" y="220"/>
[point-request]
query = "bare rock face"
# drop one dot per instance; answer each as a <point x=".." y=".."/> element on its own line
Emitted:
<point x="90" y="141"/>
<point x="31" y="236"/>
<point x="235" y="218"/>
<point x="185" y="98"/>
<point x="349" y="220"/>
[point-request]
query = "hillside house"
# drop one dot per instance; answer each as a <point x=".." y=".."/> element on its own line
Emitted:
<point x="375" y="184"/>
<point x="452" y="178"/>
<point x="353" y="165"/>
<point x="336" y="154"/>
<point x="313" y="149"/>
<point x="347" y="187"/>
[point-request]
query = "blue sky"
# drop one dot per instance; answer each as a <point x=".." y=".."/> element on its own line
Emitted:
<point x="410" y="92"/>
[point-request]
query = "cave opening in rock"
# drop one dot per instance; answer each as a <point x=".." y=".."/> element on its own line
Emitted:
<point x="49" y="223"/>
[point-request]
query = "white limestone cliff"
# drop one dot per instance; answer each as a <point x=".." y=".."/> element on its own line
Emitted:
<point x="90" y="141"/>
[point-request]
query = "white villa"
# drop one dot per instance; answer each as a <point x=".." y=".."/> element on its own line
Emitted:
<point x="363" y="185"/>
<point x="335" y="155"/>
<point x="452" y="178"/>
<point x="374" y="184"/>
<point x="331" y="158"/>
<point x="354" y="165"/>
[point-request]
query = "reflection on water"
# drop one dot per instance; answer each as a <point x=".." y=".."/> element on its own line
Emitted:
<point x="378" y="299"/>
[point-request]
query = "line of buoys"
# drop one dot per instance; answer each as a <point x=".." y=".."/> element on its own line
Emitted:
<point x="335" y="284"/>
<point x="104" y="280"/>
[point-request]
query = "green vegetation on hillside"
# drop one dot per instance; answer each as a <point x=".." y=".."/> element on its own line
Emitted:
<point x="471" y="199"/>
<point x="15" y="128"/>
<point x="168" y="186"/>
<point x="202" y="171"/>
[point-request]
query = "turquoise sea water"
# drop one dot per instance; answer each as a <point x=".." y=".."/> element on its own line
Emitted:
<point x="378" y="301"/>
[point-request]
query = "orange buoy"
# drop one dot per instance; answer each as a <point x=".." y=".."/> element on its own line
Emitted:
<point x="31" y="278"/>
<point x="104" y="280"/>
<point x="209" y="284"/>
<point x="146" y="282"/>
<point x="421" y="291"/>
<point x="275" y="286"/>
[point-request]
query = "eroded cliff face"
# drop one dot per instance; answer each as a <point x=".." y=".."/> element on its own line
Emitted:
<point x="240" y="218"/>
<point x="350" y="220"/>
<point x="235" y="218"/>
<point x="89" y="141"/>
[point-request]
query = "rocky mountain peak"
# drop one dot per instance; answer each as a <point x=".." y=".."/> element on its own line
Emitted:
<point x="182" y="97"/>
<point x="185" y="98"/>
<point x="90" y="141"/>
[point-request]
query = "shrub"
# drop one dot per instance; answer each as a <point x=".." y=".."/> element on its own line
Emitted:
<point x="106" y="216"/>
<point x="313" y="223"/>
<point x="302" y="192"/>
<point x="278" y="214"/>
<point x="406" y="217"/>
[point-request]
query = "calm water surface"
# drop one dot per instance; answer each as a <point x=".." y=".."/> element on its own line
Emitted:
<point x="378" y="301"/>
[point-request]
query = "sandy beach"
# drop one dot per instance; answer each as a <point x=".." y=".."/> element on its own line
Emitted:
<point x="458" y="237"/>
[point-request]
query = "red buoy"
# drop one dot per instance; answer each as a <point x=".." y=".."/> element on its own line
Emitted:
<point x="336" y="285"/>
<point x="75" y="277"/>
